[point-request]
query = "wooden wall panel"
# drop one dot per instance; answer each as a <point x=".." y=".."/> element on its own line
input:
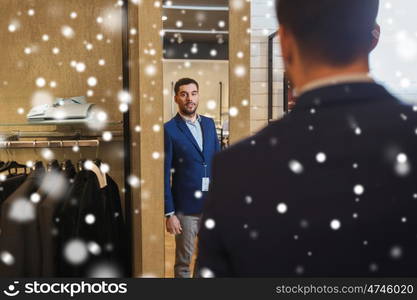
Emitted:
<point x="148" y="144"/>
<point x="239" y="69"/>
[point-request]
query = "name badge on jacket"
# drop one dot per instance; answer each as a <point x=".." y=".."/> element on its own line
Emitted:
<point x="205" y="184"/>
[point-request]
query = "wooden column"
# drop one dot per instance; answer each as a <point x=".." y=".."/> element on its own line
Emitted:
<point x="146" y="122"/>
<point x="239" y="69"/>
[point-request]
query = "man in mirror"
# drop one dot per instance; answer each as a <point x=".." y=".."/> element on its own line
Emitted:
<point x="190" y="144"/>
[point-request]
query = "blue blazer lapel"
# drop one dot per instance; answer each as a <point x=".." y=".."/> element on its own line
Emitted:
<point x="186" y="131"/>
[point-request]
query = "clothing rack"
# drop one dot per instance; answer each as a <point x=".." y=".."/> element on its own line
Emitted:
<point x="49" y="144"/>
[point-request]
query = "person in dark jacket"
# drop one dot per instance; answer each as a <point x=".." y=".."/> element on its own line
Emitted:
<point x="329" y="190"/>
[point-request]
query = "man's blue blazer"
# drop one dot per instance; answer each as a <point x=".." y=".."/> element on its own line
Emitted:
<point x="187" y="164"/>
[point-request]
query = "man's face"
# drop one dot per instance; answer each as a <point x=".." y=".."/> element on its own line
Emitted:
<point x="187" y="99"/>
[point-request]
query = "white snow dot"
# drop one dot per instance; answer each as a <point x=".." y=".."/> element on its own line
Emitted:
<point x="123" y="107"/>
<point x="296" y="167"/>
<point x="75" y="148"/>
<point x="221" y="23"/>
<point x="99" y="20"/>
<point x="240" y="54"/>
<point x="94" y="248"/>
<point x="299" y="270"/>
<point x="107" y="136"/>
<point x="198" y="194"/>
<point x="80" y="67"/>
<point x="211" y="104"/>
<point x="179" y="23"/>
<point x="73" y="15"/>
<point x="47" y="154"/>
<point x="105" y="168"/>
<point x="35" y="197"/>
<point x="355" y="215"/>
<point x="358" y="131"/>
<point x="335" y="224"/>
<point x="40" y="82"/>
<point x="75" y="252"/>
<point x="210" y="224"/>
<point x="396" y="252"/>
<point x="12" y="27"/>
<point x="7" y="258"/>
<point x="213" y="52"/>
<point x="101" y="62"/>
<point x="45" y="37"/>
<point x="92" y="81"/>
<point x="253" y="234"/>
<point x="282" y="208"/>
<point x="20" y="111"/>
<point x="31" y="12"/>
<point x="321" y="157"/>
<point x="358" y="189"/>
<point x="404" y="219"/>
<point x="88" y="165"/>
<point x="90" y="219"/>
<point x="133" y="181"/>
<point x="150" y="70"/>
<point x="28" y="50"/>
<point x="55" y="50"/>
<point x="206" y="273"/>
<point x="156" y="155"/>
<point x="373" y="267"/>
<point x="240" y="71"/>
<point x="156" y="128"/>
<point x="67" y="31"/>
<point x="233" y="111"/>
<point x="248" y="199"/>
<point x="402" y="158"/>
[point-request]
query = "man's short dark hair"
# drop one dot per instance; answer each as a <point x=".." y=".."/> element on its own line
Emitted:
<point x="333" y="31"/>
<point x="184" y="81"/>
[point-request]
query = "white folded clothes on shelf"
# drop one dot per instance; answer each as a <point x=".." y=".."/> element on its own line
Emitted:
<point x="64" y="109"/>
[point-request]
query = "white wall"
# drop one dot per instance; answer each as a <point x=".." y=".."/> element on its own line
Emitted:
<point x="264" y="23"/>
<point x="394" y="61"/>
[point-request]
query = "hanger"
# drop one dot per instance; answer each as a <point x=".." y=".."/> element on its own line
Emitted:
<point x="38" y="165"/>
<point x="12" y="165"/>
<point x="102" y="180"/>
<point x="53" y="166"/>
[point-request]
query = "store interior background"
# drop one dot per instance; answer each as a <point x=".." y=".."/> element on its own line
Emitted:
<point x="48" y="51"/>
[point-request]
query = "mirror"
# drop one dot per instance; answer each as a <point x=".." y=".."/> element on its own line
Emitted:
<point x="196" y="46"/>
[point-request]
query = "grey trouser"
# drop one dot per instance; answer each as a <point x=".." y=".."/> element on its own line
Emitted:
<point x="184" y="244"/>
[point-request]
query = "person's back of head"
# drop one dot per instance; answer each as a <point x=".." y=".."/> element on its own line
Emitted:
<point x="332" y="31"/>
<point x="335" y="35"/>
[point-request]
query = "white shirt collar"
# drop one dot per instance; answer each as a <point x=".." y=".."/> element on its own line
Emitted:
<point x="187" y="119"/>
<point x="333" y="80"/>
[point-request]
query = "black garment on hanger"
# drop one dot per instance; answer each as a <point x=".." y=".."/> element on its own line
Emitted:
<point x="49" y="232"/>
<point x="9" y="186"/>
<point x="20" y="239"/>
<point x="88" y="199"/>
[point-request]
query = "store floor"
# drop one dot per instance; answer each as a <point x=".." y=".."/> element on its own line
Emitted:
<point x="170" y="256"/>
